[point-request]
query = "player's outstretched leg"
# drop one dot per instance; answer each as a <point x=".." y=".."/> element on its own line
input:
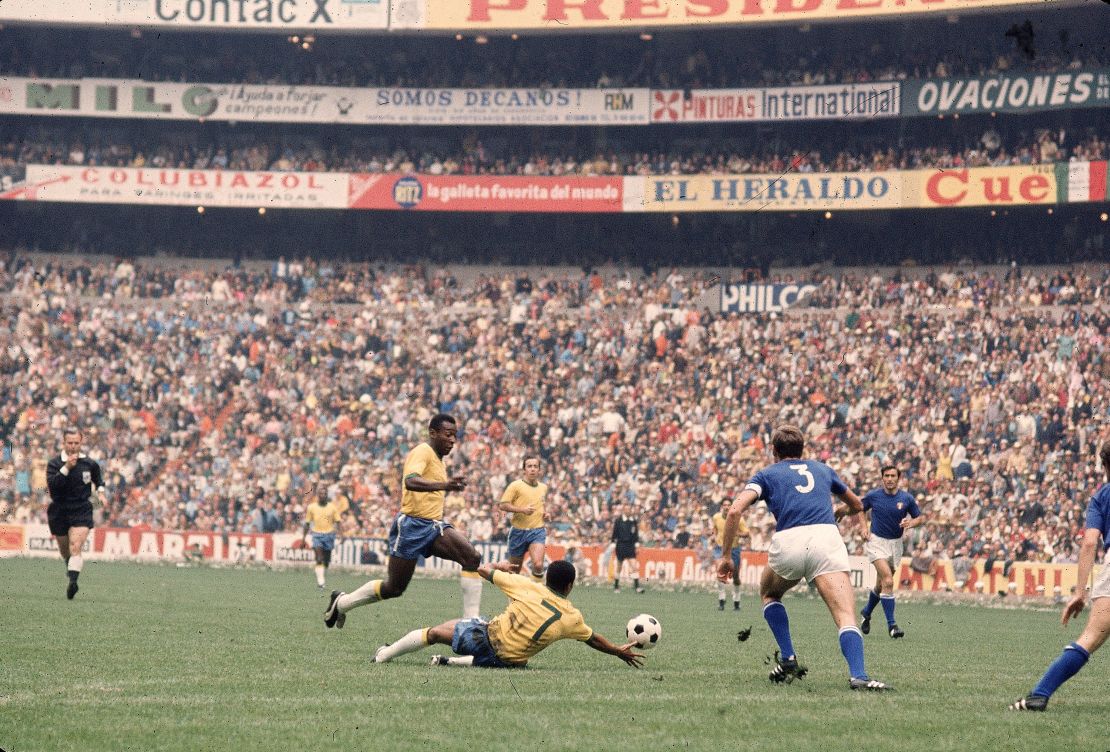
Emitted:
<point x="452" y="660"/>
<point x="836" y="590"/>
<point x="1072" y="659"/>
<point x="417" y="639"/>
<point x="398" y="576"/>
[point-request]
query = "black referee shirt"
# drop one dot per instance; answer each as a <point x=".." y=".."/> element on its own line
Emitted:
<point x="71" y="487"/>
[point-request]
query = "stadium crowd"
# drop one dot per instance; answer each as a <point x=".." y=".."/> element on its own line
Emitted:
<point x="475" y="157"/>
<point x="702" y="59"/>
<point x="215" y="398"/>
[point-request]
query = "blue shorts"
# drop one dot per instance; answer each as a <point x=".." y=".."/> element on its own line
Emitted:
<point x="735" y="556"/>
<point x="413" y="537"/>
<point x="521" y="538"/>
<point x="472" y="638"/>
<point x="325" y="541"/>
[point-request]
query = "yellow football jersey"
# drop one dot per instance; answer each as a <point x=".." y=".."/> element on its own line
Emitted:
<point x="341" y="503"/>
<point x="425" y="463"/>
<point x="520" y="494"/>
<point x="719" y="527"/>
<point x="322" y="519"/>
<point x="536" y="617"/>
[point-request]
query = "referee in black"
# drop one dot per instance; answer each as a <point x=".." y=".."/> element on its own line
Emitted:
<point x="626" y="534"/>
<point x="74" y="481"/>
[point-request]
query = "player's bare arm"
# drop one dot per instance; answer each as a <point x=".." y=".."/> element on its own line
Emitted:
<point x="911" y="522"/>
<point x="852" y="505"/>
<point x="422" y="485"/>
<point x="485" y="571"/>
<point x="624" y="652"/>
<point x="746" y="498"/>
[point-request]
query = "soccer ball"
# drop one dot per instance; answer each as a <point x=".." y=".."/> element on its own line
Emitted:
<point x="644" y="630"/>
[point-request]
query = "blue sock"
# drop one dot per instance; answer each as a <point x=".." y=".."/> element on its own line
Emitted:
<point x="872" y="601"/>
<point x="851" y="645"/>
<point x="775" y="615"/>
<point x="1063" y="668"/>
<point x="888" y="608"/>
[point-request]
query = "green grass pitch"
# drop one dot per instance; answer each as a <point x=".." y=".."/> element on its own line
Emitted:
<point x="162" y="658"/>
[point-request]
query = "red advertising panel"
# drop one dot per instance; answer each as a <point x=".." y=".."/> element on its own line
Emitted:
<point x="487" y="193"/>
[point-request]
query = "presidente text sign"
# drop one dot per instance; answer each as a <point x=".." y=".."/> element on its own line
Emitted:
<point x="571" y="15"/>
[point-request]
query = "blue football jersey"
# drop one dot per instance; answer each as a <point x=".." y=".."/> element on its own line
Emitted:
<point x="1098" y="514"/>
<point x="798" y="492"/>
<point x="887" y="511"/>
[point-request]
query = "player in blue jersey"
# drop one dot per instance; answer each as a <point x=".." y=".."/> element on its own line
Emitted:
<point x="893" y="511"/>
<point x="1076" y="655"/>
<point x="807" y="544"/>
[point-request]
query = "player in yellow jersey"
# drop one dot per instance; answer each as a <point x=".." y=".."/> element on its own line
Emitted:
<point x="322" y="518"/>
<point x="537" y="616"/>
<point x="719" y="529"/>
<point x="419" y="530"/>
<point x="524" y="499"/>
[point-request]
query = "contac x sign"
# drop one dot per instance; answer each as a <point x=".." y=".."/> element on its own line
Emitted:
<point x="335" y="15"/>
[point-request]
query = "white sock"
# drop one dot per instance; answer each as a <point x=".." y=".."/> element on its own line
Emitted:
<point x="75" y="564"/>
<point x="460" y="660"/>
<point x="720" y="592"/>
<point x="736" y="593"/>
<point x="471" y="585"/>
<point x="320" y="575"/>
<point x="368" y="593"/>
<point x="415" y="640"/>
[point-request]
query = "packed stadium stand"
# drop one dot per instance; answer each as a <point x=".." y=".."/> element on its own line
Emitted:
<point x="226" y="351"/>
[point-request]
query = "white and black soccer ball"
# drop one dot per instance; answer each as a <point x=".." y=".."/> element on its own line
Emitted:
<point x="644" y="630"/>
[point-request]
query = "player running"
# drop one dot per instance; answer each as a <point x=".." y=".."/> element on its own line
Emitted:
<point x="323" y="518"/>
<point x="893" y="512"/>
<point x="807" y="544"/>
<point x="524" y="499"/>
<point x="419" y="530"/>
<point x="742" y="532"/>
<point x="538" y="615"/>
<point x="1076" y="655"/>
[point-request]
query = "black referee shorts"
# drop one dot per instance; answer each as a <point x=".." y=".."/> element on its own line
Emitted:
<point x="62" y="518"/>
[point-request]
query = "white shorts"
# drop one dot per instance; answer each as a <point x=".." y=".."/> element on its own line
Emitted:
<point x="1102" y="583"/>
<point x="887" y="549"/>
<point x="808" y="552"/>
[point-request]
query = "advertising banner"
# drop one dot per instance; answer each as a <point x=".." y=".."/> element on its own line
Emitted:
<point x="164" y="186"/>
<point x="839" y="102"/>
<point x="761" y="298"/>
<point x="274" y="103"/>
<point x="786" y="192"/>
<point x="291" y="15"/>
<point x="510" y="193"/>
<point x="152" y="545"/>
<point x="501" y="106"/>
<point x="982" y="186"/>
<point x="11" y="537"/>
<point x="1023" y="578"/>
<point x="1010" y="92"/>
<point x="576" y="15"/>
